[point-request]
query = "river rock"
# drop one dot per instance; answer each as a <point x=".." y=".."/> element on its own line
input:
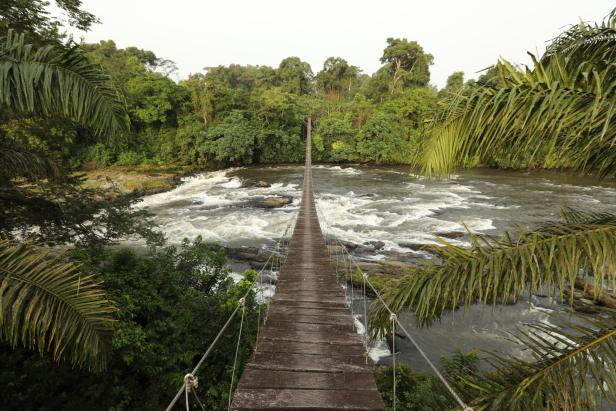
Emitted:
<point x="250" y="254"/>
<point x="584" y="305"/>
<point x="255" y="183"/>
<point x="335" y="249"/>
<point x="451" y="234"/>
<point x="412" y="246"/>
<point x="348" y="245"/>
<point x="378" y="245"/>
<point x="273" y="202"/>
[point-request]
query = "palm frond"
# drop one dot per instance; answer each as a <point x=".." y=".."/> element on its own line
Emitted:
<point x="48" y="305"/>
<point x="587" y="39"/>
<point x="18" y="161"/>
<point x="559" y="111"/>
<point x="548" y="259"/>
<point x="570" y="370"/>
<point x="50" y="80"/>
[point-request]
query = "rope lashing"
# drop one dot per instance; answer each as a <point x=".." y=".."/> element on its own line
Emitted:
<point x="190" y="382"/>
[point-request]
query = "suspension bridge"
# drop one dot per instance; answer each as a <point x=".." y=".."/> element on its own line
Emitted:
<point x="308" y="354"/>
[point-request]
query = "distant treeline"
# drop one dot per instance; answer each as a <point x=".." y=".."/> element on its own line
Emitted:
<point x="236" y="115"/>
<point x="254" y="114"/>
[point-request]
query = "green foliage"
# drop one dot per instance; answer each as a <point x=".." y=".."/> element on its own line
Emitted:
<point x="407" y="63"/>
<point x="33" y="17"/>
<point x="455" y="83"/>
<point x="231" y="140"/>
<point x="48" y="305"/>
<point x="294" y="76"/>
<point x="556" y="113"/>
<point x="50" y="80"/>
<point x="418" y="391"/>
<point x="171" y="303"/>
<point x="337" y="77"/>
<point x="549" y="258"/>
<point x="129" y="158"/>
<point x="572" y="370"/>
<point x="382" y="139"/>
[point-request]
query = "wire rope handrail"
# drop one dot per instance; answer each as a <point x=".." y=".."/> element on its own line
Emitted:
<point x="393" y="316"/>
<point x="275" y="260"/>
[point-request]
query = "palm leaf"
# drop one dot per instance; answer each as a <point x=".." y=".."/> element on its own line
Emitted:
<point x="47" y="304"/>
<point x="570" y="370"/>
<point x="18" y="161"/>
<point x="51" y="80"/>
<point x="548" y="259"/>
<point x="559" y="111"/>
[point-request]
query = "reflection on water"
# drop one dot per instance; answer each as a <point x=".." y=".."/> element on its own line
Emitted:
<point x="395" y="207"/>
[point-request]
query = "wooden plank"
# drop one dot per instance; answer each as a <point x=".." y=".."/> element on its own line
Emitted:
<point x="304" y="347"/>
<point x="277" y="399"/>
<point x="276" y="379"/>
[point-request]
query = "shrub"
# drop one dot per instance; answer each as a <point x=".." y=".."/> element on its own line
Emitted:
<point x="130" y="158"/>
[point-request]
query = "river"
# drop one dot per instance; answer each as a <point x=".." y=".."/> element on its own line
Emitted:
<point x="396" y="208"/>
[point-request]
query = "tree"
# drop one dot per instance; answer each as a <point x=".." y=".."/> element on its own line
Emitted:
<point x="171" y="303"/>
<point x="295" y="76"/>
<point x="201" y="97"/>
<point x="557" y="113"/>
<point x="337" y="77"/>
<point x="46" y="303"/>
<point x="381" y="139"/>
<point x="231" y="140"/>
<point x="559" y="105"/>
<point x="454" y="85"/>
<point x="32" y="18"/>
<point x="407" y="63"/>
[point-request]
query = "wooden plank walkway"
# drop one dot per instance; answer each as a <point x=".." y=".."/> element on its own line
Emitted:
<point x="308" y="356"/>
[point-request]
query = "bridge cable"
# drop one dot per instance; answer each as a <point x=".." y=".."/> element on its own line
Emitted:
<point x="189" y="380"/>
<point x="237" y="350"/>
<point x="449" y="388"/>
<point x="393" y="350"/>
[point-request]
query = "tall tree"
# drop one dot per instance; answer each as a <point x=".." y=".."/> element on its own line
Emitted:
<point x="33" y="18"/>
<point x="454" y="84"/>
<point x="295" y="76"/>
<point x="337" y="77"/>
<point x="407" y="63"/>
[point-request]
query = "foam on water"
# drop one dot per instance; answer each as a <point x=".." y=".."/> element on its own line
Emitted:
<point x="363" y="205"/>
<point x="360" y="205"/>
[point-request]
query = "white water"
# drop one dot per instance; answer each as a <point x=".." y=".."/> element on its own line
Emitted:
<point x="394" y="206"/>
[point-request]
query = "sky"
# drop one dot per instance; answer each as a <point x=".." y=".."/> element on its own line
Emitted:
<point x="462" y="35"/>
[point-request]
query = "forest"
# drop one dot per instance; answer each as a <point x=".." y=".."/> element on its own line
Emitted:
<point x="88" y="324"/>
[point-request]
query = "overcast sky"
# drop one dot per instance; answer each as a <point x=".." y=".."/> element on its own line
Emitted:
<point x="466" y="35"/>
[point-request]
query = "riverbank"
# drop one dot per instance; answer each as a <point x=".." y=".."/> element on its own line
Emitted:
<point x="144" y="179"/>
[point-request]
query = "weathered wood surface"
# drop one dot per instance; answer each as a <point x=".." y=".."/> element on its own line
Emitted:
<point x="308" y="356"/>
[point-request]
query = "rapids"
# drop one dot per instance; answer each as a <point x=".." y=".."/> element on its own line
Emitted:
<point x="394" y="207"/>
